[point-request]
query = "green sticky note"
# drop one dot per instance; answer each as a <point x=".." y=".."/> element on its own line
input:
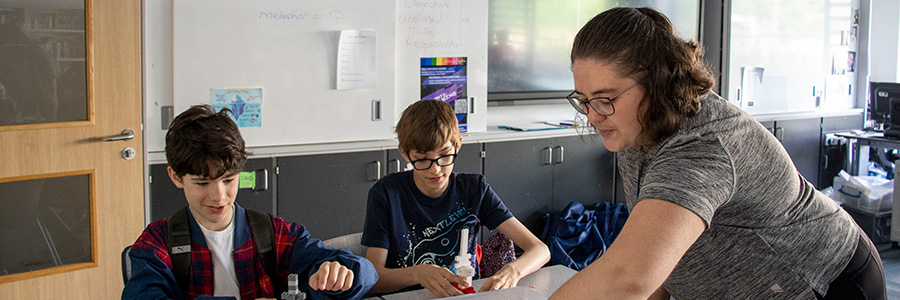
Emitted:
<point x="247" y="180"/>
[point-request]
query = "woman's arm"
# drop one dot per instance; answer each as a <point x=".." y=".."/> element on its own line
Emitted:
<point x="660" y="294"/>
<point x="431" y="277"/>
<point x="536" y="255"/>
<point x="655" y="237"/>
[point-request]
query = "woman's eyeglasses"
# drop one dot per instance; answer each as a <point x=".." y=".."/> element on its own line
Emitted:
<point x="602" y="105"/>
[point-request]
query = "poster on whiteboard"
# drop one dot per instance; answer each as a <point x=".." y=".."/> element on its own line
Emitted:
<point x="245" y="104"/>
<point x="444" y="79"/>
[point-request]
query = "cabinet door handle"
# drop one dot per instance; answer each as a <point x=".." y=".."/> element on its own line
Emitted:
<point x="396" y="163"/>
<point x="262" y="180"/>
<point x="374" y="173"/>
<point x="562" y="152"/>
<point x="548" y="159"/>
<point x="779" y="133"/>
<point x="824" y="161"/>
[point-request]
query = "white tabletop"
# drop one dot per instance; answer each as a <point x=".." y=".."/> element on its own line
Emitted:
<point x="545" y="280"/>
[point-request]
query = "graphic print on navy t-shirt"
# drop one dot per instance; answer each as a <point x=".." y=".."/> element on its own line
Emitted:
<point x="438" y="244"/>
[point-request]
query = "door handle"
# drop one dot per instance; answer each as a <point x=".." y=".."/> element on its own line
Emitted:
<point x="561" y="151"/>
<point x="396" y="163"/>
<point x="126" y="135"/>
<point x="374" y="171"/>
<point x="548" y="160"/>
<point x="262" y="180"/>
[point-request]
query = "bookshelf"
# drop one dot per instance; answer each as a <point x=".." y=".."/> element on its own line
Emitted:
<point x="60" y="32"/>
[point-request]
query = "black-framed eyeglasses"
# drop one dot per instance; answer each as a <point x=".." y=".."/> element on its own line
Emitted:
<point x="602" y="105"/>
<point x="425" y="163"/>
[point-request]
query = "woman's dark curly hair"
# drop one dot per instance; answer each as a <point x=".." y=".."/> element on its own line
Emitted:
<point x="642" y="44"/>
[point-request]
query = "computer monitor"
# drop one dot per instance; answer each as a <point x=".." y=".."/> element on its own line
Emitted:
<point x="880" y="94"/>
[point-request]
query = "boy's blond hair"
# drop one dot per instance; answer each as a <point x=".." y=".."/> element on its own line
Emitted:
<point x="427" y="125"/>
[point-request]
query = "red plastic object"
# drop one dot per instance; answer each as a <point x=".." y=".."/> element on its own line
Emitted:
<point x="468" y="290"/>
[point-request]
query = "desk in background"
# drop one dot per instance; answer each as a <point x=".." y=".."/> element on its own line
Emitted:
<point x="545" y="280"/>
<point x="858" y="157"/>
<point x="858" y="142"/>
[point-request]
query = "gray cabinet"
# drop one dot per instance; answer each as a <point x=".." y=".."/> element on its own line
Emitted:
<point x="327" y="193"/>
<point x="166" y="198"/>
<point x="534" y="177"/>
<point x="520" y="174"/>
<point x="583" y="171"/>
<point x="800" y="138"/>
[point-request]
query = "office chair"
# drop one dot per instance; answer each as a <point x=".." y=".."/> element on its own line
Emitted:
<point x="126" y="264"/>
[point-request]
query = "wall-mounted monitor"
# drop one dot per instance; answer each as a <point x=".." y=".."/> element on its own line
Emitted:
<point x="530" y="41"/>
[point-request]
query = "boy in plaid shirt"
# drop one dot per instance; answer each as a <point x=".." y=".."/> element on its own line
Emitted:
<point x="205" y="153"/>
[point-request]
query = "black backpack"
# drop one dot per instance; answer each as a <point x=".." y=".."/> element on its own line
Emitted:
<point x="261" y="229"/>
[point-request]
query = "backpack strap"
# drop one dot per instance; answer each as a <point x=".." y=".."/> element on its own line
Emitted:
<point x="262" y="229"/>
<point x="179" y="241"/>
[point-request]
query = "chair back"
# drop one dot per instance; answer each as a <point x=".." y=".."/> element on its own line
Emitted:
<point x="126" y="264"/>
<point x="349" y="241"/>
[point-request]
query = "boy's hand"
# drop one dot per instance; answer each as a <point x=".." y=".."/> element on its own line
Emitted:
<point x="435" y="280"/>
<point x="331" y="276"/>
<point x="507" y="277"/>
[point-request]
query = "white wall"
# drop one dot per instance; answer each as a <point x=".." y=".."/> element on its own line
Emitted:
<point x="157" y="71"/>
<point x="884" y="41"/>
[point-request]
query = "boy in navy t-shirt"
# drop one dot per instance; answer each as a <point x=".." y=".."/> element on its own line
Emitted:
<point x="414" y="218"/>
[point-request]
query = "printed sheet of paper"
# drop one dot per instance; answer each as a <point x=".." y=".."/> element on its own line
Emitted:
<point x="356" y="60"/>
<point x="751" y="85"/>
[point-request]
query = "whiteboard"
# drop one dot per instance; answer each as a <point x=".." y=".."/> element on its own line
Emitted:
<point x="194" y="46"/>
<point x="443" y="28"/>
<point x="288" y="48"/>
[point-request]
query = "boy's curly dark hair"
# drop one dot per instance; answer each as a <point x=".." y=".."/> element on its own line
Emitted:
<point x="205" y="143"/>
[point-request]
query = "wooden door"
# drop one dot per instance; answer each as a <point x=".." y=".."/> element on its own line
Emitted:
<point x="43" y="148"/>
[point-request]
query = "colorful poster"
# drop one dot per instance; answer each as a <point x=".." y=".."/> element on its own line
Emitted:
<point x="245" y="104"/>
<point x="444" y="78"/>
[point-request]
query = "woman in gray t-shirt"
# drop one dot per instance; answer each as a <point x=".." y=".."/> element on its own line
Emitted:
<point x="718" y="210"/>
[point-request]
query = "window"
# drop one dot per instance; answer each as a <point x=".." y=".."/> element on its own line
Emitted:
<point x="788" y="56"/>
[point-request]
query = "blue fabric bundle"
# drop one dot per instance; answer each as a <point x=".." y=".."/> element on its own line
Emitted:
<point x="578" y="235"/>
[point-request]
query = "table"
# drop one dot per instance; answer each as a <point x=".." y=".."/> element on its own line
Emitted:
<point x="857" y="141"/>
<point x="545" y="280"/>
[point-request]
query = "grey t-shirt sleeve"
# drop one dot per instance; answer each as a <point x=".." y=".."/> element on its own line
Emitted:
<point x="695" y="172"/>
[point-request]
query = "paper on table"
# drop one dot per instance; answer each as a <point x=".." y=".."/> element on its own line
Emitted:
<point x="356" y="60"/>
<point x="532" y="126"/>
<point x="519" y="292"/>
